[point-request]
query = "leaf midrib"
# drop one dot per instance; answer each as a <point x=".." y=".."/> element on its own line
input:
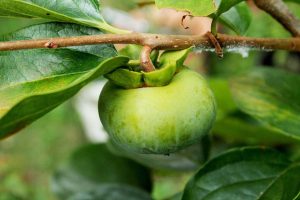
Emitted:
<point x="236" y="183"/>
<point x="274" y="181"/>
<point x="29" y="115"/>
<point x="43" y="79"/>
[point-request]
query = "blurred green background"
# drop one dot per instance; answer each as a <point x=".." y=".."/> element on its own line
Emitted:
<point x="28" y="158"/>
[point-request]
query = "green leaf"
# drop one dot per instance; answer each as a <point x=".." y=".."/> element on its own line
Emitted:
<point x="286" y="185"/>
<point x="93" y="165"/>
<point x="194" y="7"/>
<point x="74" y="11"/>
<point x="226" y="5"/>
<point x="12" y="24"/>
<point x="245" y="174"/>
<point x="33" y="82"/>
<point x="112" y="192"/>
<point x="272" y="97"/>
<point x="235" y="14"/>
<point x="236" y="129"/>
<point x="238" y="18"/>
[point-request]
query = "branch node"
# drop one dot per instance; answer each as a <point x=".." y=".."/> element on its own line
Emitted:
<point x="146" y="62"/>
<point x="214" y="41"/>
<point x="51" y="45"/>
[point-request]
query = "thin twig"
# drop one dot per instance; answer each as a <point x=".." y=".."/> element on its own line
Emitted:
<point x="279" y="10"/>
<point x="159" y="42"/>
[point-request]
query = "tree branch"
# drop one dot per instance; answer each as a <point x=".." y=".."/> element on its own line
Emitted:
<point x="279" y="10"/>
<point x="158" y="42"/>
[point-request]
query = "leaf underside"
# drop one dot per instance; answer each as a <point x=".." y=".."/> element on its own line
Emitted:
<point x="33" y="82"/>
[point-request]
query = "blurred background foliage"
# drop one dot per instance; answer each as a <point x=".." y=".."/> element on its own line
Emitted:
<point x="29" y="159"/>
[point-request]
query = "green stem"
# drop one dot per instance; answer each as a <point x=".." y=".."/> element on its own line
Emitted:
<point x="214" y="26"/>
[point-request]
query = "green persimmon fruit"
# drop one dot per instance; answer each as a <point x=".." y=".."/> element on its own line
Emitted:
<point x="161" y="119"/>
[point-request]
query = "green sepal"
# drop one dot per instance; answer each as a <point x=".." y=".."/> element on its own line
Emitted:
<point x="154" y="57"/>
<point x="126" y="78"/>
<point x="159" y="77"/>
<point x="170" y="62"/>
<point x="176" y="58"/>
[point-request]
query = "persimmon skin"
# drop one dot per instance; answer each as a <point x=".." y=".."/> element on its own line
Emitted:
<point x="158" y="120"/>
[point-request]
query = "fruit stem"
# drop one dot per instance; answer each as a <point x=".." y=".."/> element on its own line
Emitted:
<point x="146" y="62"/>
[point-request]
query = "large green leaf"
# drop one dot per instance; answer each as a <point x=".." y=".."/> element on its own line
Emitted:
<point x="112" y="192"/>
<point x="235" y="126"/>
<point x="225" y="5"/>
<point x="194" y="7"/>
<point x="33" y="82"/>
<point x="12" y="24"/>
<point x="235" y="129"/>
<point x="286" y="186"/>
<point x="271" y="96"/>
<point x="245" y="174"/>
<point x="84" y="12"/>
<point x="238" y="18"/>
<point x="93" y="165"/>
<point x="235" y="14"/>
